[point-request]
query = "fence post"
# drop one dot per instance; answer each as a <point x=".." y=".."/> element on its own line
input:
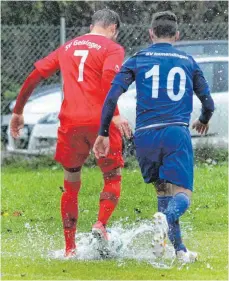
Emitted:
<point x="62" y="41"/>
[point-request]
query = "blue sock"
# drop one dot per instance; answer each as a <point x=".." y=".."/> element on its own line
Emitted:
<point x="175" y="236"/>
<point x="162" y="203"/>
<point x="176" y="208"/>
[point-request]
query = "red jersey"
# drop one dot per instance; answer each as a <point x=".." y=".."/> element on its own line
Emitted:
<point x="82" y="62"/>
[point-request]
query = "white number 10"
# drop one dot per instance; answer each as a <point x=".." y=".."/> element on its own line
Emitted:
<point x="83" y="54"/>
<point x="154" y="73"/>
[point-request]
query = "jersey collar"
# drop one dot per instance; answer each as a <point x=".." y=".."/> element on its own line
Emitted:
<point x="162" y="44"/>
<point x="95" y="34"/>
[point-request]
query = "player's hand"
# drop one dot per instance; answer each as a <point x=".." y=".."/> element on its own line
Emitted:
<point x="123" y="125"/>
<point x="200" y="127"/>
<point x="101" y="147"/>
<point x="16" y="124"/>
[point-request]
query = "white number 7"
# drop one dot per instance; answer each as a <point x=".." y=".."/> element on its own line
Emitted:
<point x="83" y="54"/>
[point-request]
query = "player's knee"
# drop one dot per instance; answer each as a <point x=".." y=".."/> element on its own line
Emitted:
<point x="72" y="174"/>
<point x="164" y="188"/>
<point x="180" y="189"/>
<point x="73" y="170"/>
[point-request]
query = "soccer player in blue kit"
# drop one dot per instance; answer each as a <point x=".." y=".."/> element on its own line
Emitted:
<point x="165" y="81"/>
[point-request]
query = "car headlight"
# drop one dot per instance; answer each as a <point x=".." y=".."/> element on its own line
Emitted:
<point x="51" y="118"/>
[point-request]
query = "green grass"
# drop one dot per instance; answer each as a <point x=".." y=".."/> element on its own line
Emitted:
<point x="36" y="194"/>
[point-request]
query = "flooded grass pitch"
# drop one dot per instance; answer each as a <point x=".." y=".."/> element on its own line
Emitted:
<point x="32" y="236"/>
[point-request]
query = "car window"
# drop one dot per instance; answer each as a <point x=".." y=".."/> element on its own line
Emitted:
<point x="216" y="49"/>
<point x="221" y="75"/>
<point x="193" y="50"/>
<point x="216" y="74"/>
<point x="196" y="49"/>
<point x="208" y="70"/>
<point x="205" y="49"/>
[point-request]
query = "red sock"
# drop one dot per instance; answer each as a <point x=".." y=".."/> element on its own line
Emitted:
<point x="69" y="212"/>
<point x="109" y="198"/>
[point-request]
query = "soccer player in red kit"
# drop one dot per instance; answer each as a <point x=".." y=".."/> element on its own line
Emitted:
<point x="88" y="64"/>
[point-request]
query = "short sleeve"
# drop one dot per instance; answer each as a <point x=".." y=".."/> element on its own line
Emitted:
<point x="48" y="65"/>
<point x="114" y="58"/>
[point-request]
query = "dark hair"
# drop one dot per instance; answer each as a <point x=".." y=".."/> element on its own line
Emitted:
<point x="105" y="18"/>
<point x="164" y="24"/>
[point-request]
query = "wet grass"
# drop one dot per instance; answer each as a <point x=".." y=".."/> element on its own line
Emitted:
<point x="31" y="226"/>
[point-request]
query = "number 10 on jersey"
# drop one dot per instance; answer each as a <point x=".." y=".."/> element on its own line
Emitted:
<point x="154" y="72"/>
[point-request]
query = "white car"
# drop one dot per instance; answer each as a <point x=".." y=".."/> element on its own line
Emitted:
<point x="44" y="103"/>
<point x="41" y="112"/>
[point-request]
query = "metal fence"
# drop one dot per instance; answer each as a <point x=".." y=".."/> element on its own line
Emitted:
<point x="22" y="45"/>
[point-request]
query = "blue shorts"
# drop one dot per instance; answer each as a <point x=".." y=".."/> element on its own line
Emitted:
<point x="166" y="154"/>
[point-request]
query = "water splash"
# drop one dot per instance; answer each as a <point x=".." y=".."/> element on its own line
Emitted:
<point x="126" y="242"/>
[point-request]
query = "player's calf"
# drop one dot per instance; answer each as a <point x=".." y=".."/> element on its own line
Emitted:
<point x="69" y="208"/>
<point x="173" y="201"/>
<point x="110" y="195"/>
<point x="109" y="198"/>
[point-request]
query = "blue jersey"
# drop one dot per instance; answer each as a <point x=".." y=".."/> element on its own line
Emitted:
<point x="165" y="80"/>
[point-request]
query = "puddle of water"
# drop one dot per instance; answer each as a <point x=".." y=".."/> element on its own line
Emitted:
<point x="129" y="242"/>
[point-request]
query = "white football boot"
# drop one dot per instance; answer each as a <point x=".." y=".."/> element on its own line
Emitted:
<point x="186" y="257"/>
<point x="161" y="228"/>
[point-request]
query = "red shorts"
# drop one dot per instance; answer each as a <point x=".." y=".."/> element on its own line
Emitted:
<point x="75" y="143"/>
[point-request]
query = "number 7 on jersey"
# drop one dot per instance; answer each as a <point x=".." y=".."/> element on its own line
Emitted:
<point x="83" y="54"/>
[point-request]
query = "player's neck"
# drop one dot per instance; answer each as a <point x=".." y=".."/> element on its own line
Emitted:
<point x="99" y="31"/>
<point x="163" y="40"/>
